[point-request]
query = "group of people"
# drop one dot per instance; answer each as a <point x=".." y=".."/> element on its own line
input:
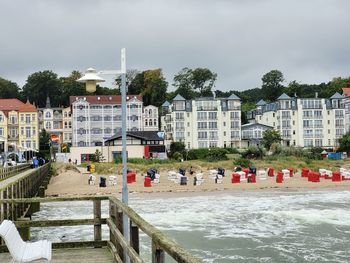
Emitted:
<point x="36" y="162"/>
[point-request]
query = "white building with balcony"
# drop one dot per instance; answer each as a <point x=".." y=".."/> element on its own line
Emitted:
<point x="203" y="122"/>
<point x="150" y="118"/>
<point x="304" y="122"/>
<point x="97" y="118"/>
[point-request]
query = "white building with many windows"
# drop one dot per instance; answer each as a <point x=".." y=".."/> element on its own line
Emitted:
<point x="203" y="122"/>
<point x="96" y="118"/>
<point x="304" y="122"/>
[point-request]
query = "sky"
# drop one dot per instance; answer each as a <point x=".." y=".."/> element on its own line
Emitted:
<point x="308" y="41"/>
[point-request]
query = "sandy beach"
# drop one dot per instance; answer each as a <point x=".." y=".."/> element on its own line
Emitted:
<point x="73" y="182"/>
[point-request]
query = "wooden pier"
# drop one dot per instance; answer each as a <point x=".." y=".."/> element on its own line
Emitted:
<point x="98" y="250"/>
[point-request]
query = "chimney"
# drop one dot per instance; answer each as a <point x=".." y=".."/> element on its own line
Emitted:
<point x="316" y="94"/>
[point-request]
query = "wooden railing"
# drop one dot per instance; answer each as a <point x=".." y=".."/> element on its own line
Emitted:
<point x="11" y="171"/>
<point x="161" y="244"/>
<point x="26" y="186"/>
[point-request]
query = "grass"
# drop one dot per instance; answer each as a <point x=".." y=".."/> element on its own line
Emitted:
<point x="278" y="163"/>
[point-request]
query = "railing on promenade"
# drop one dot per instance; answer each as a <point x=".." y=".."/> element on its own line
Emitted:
<point x="13" y="170"/>
<point x="161" y="244"/>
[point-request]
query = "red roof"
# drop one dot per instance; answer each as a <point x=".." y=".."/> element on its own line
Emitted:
<point x="10" y="104"/>
<point x="27" y="107"/>
<point x="103" y="99"/>
<point x="346" y="91"/>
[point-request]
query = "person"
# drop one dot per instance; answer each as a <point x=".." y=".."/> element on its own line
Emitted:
<point x="191" y="171"/>
<point x="76" y="162"/>
<point x="238" y="168"/>
<point x="36" y="163"/>
<point x="252" y="168"/>
<point x="69" y="160"/>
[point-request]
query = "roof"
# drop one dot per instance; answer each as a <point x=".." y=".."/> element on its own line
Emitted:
<point x="10" y="104"/>
<point x="346" y="91"/>
<point x="145" y="135"/>
<point x="261" y="103"/>
<point x="248" y="125"/>
<point x="104" y="99"/>
<point x="284" y="96"/>
<point x="233" y="97"/>
<point x="166" y="104"/>
<point x="179" y="97"/>
<point x="27" y="107"/>
<point x="336" y="96"/>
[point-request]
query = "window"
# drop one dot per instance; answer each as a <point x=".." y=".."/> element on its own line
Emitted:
<point x="65" y="125"/>
<point x="34" y="131"/>
<point x="202" y="144"/>
<point x="28" y="132"/>
<point x="33" y="117"/>
<point x="107" y="118"/>
<point x="213" y="115"/>
<point x="146" y="122"/>
<point x="1" y="131"/>
<point x="201" y="115"/>
<point x="234" y="115"/>
<point x="22" y="130"/>
<point x="179" y="116"/>
<point x="48" y="115"/>
<point x="22" y="117"/>
<point x="224" y="123"/>
<point x="155" y="122"/>
<point x="202" y="125"/>
<point x="234" y="124"/>
<point x="48" y="126"/>
<point x="13" y="119"/>
<point x="202" y="135"/>
<point x="28" y="144"/>
<point x="308" y="143"/>
<point x="224" y="133"/>
<point x="213" y="125"/>
<point x="1" y="118"/>
<point x="65" y="114"/>
<point x="27" y="118"/>
<point x="150" y="122"/>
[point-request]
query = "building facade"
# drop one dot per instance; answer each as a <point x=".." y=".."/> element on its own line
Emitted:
<point x="304" y="122"/>
<point x="97" y="118"/>
<point x="150" y="118"/>
<point x="203" y="122"/>
<point x="252" y="134"/>
<point x="19" y="127"/>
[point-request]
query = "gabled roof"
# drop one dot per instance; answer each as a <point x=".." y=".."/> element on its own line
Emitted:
<point x="104" y="99"/>
<point x="27" y="107"/>
<point x="179" y="97"/>
<point x="10" y="104"/>
<point x="233" y="97"/>
<point x="336" y="96"/>
<point x="144" y="135"/>
<point x="284" y="96"/>
<point x="346" y="91"/>
<point x="261" y="103"/>
<point x="166" y="104"/>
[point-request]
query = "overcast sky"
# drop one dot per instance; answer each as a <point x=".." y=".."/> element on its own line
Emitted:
<point x="308" y="40"/>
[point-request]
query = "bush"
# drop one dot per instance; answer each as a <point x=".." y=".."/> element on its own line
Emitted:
<point x="243" y="162"/>
<point x="253" y="152"/>
<point x="231" y="150"/>
<point x="292" y="151"/>
<point x="216" y="154"/>
<point x="276" y="148"/>
<point x="177" y="156"/>
<point x="197" y="154"/>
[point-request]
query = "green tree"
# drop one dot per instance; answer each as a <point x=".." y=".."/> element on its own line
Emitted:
<point x="41" y="84"/>
<point x="271" y="84"/>
<point x="44" y="143"/>
<point x="191" y="83"/>
<point x="177" y="147"/>
<point x="70" y="87"/>
<point x="8" y="89"/>
<point x="98" y="156"/>
<point x="344" y="143"/>
<point x="270" y="137"/>
<point x="152" y="85"/>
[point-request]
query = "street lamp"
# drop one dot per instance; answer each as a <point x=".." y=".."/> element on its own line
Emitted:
<point x="90" y="79"/>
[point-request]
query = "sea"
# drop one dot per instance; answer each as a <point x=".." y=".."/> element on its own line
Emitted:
<point x="231" y="226"/>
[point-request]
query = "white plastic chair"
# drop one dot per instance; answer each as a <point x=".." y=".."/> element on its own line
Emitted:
<point x="286" y="174"/>
<point x="156" y="178"/>
<point x="24" y="251"/>
<point x="171" y="175"/>
<point x="112" y="179"/>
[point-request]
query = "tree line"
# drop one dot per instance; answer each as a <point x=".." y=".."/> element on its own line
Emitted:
<point x="152" y="85"/>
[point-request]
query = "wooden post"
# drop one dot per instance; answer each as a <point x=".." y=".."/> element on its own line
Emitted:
<point x="97" y="227"/>
<point x="158" y="255"/>
<point x="119" y="224"/>
<point x="134" y="237"/>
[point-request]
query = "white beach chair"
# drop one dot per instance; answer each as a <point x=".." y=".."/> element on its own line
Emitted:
<point x="92" y="179"/>
<point x="286" y="174"/>
<point x="322" y="171"/>
<point x="342" y="170"/>
<point x="156" y="178"/>
<point x="171" y="175"/>
<point x="212" y="174"/>
<point x="23" y="251"/>
<point x="262" y="174"/>
<point x="200" y="179"/>
<point x="219" y="179"/>
<point x="178" y="178"/>
<point x="112" y="179"/>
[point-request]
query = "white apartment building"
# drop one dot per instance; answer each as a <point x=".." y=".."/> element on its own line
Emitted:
<point x="150" y="118"/>
<point x="304" y="122"/>
<point x="97" y="118"/>
<point x="203" y="122"/>
<point x="346" y="101"/>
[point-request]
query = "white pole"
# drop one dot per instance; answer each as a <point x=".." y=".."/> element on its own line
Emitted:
<point x="125" y="198"/>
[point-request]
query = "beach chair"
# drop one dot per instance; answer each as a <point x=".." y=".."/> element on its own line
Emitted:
<point x="243" y="175"/>
<point x="156" y="179"/>
<point x="219" y="179"/>
<point x="112" y="180"/>
<point x="286" y="174"/>
<point x="92" y="179"/>
<point x="23" y="251"/>
<point x="171" y="175"/>
<point x="212" y="174"/>
<point x="262" y="174"/>
<point x="199" y="178"/>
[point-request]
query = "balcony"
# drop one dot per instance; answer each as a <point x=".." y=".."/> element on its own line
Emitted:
<point x="12" y="137"/>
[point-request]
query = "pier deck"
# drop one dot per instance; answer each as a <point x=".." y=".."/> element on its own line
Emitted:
<point x="15" y="178"/>
<point x="68" y="255"/>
